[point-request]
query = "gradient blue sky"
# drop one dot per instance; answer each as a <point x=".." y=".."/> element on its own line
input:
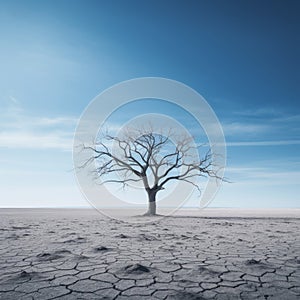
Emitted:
<point x="242" y="56"/>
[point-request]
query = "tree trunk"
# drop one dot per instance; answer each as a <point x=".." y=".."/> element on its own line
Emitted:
<point x="151" y="208"/>
<point x="152" y="203"/>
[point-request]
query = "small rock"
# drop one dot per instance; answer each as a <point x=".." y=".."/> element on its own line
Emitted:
<point x="101" y="248"/>
<point x="122" y="236"/>
<point x="252" y="262"/>
<point x="137" y="268"/>
<point x="24" y="274"/>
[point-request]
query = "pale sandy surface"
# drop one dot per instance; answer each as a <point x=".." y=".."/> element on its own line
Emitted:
<point x="79" y="254"/>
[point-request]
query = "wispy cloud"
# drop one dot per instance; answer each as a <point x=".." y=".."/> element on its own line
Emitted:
<point x="24" y="131"/>
<point x="242" y="128"/>
<point x="263" y="143"/>
<point x="14" y="100"/>
<point x="256" y="128"/>
<point x="269" y="114"/>
<point x="259" y="112"/>
<point x="287" y="119"/>
<point x="35" y="140"/>
<point x="262" y="176"/>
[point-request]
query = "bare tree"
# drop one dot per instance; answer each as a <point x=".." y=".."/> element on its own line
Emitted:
<point x="155" y="159"/>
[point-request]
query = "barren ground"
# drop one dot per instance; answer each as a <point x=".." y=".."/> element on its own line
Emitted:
<point x="79" y="254"/>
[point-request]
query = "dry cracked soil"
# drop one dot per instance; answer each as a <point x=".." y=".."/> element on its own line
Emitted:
<point x="86" y="256"/>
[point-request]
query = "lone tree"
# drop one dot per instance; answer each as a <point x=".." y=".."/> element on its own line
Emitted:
<point x="155" y="159"/>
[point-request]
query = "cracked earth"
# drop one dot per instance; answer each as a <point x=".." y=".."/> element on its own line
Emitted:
<point x="86" y="256"/>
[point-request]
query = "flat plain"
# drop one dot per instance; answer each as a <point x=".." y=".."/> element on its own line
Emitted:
<point x="211" y="254"/>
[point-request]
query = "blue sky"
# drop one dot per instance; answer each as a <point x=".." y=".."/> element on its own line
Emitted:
<point x="241" y="56"/>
